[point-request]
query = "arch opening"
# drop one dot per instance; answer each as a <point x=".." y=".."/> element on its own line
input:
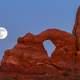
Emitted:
<point x="49" y="47"/>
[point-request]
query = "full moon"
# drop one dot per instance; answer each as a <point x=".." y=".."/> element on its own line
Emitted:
<point x="3" y="33"/>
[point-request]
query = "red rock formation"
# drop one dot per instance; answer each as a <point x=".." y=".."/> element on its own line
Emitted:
<point x="76" y="30"/>
<point x="28" y="59"/>
<point x="65" y="46"/>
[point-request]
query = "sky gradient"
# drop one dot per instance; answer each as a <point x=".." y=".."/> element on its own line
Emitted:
<point x="23" y="16"/>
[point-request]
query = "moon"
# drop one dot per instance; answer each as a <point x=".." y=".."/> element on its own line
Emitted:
<point x="3" y="33"/>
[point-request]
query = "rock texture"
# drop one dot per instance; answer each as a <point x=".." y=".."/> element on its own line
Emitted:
<point x="28" y="59"/>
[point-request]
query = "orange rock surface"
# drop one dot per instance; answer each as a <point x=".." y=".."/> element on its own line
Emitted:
<point x="28" y="59"/>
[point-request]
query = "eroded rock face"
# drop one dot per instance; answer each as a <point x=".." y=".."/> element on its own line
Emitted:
<point x="28" y="59"/>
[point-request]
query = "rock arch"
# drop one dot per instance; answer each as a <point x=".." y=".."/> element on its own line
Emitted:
<point x="58" y="37"/>
<point x="65" y="46"/>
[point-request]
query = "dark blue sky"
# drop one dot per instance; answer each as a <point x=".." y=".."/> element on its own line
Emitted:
<point x="22" y="16"/>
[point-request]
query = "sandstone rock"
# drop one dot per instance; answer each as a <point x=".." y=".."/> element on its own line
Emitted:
<point x="65" y="46"/>
<point x="76" y="30"/>
<point x="27" y="52"/>
<point x="28" y="59"/>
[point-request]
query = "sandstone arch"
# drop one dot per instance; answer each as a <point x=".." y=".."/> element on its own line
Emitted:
<point x="58" y="37"/>
<point x="65" y="46"/>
